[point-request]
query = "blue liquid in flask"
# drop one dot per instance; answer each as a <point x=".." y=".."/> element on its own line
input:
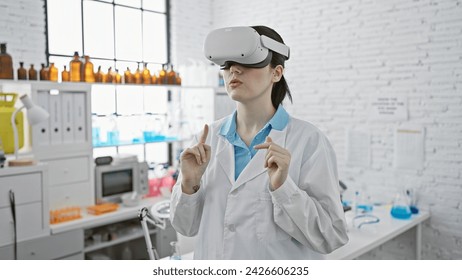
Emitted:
<point x="401" y="212"/>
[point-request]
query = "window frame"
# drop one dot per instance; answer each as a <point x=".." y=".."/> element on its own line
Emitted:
<point x="115" y="59"/>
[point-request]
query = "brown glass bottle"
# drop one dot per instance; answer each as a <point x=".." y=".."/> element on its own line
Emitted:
<point x="128" y="77"/>
<point x="89" y="74"/>
<point x="43" y="73"/>
<point x="137" y="76"/>
<point x="146" y="76"/>
<point x="118" y="77"/>
<point x="171" y="76"/>
<point x="154" y="79"/>
<point x="6" y="64"/>
<point x="32" y="73"/>
<point x="162" y="75"/>
<point x="110" y="76"/>
<point x="65" y="75"/>
<point x="75" y="68"/>
<point x="22" y="72"/>
<point x="53" y="73"/>
<point x="99" y="75"/>
<point x="178" y="79"/>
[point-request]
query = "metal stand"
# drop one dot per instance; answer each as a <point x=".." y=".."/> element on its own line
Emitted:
<point x="145" y="217"/>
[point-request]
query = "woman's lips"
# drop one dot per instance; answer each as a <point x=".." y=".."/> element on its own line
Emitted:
<point x="234" y="83"/>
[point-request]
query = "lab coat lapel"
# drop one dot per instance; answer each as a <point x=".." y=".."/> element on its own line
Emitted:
<point x="256" y="166"/>
<point x="225" y="157"/>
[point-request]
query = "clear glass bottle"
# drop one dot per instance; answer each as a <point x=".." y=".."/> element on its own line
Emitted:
<point x="22" y="72"/>
<point x="6" y="64"/>
<point x="75" y="68"/>
<point x="65" y="75"/>
<point x="53" y="73"/>
<point x="89" y="74"/>
<point x="176" y="254"/>
<point x="32" y="73"/>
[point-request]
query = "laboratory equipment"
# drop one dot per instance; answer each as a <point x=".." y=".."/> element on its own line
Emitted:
<point x="401" y="208"/>
<point x="157" y="217"/>
<point x="176" y="255"/>
<point x="365" y="219"/>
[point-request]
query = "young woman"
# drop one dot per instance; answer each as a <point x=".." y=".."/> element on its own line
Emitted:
<point x="259" y="184"/>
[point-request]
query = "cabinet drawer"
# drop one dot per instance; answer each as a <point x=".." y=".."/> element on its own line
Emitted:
<point x="27" y="188"/>
<point x="29" y="223"/>
<point x="52" y="247"/>
<point x="79" y="194"/>
<point x="70" y="170"/>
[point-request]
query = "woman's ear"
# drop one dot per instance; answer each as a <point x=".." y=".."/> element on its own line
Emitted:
<point x="277" y="73"/>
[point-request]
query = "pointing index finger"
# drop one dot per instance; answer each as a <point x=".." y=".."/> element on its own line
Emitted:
<point x="204" y="134"/>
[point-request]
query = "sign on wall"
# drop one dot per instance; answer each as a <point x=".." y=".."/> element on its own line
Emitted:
<point x="388" y="108"/>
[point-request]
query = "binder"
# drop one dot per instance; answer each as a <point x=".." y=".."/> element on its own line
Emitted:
<point x="79" y="116"/>
<point x="41" y="131"/>
<point x="55" y="111"/>
<point x="68" y="116"/>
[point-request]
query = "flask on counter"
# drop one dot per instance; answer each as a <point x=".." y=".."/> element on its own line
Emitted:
<point x="65" y="75"/>
<point x="6" y="63"/>
<point x="22" y="72"/>
<point x="32" y="73"/>
<point x="53" y="73"/>
<point x="75" y="68"/>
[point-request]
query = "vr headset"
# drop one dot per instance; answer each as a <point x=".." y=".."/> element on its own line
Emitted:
<point x="242" y="45"/>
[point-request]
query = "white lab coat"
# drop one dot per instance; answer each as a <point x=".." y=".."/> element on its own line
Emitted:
<point x="244" y="219"/>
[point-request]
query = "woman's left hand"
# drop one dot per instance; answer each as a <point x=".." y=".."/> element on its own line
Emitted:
<point x="277" y="161"/>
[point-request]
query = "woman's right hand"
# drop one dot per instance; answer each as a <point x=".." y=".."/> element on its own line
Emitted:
<point x="193" y="162"/>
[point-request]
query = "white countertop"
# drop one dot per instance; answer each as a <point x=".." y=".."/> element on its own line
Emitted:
<point x="90" y="221"/>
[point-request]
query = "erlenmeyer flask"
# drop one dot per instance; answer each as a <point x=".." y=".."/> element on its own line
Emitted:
<point x="401" y="208"/>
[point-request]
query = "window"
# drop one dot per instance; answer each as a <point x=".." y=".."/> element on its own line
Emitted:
<point x="114" y="33"/>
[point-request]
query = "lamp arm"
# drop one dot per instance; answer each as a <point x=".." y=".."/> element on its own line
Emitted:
<point x="15" y="130"/>
<point x="144" y="217"/>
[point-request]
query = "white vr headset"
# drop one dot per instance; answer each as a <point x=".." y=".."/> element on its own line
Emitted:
<point x="242" y="45"/>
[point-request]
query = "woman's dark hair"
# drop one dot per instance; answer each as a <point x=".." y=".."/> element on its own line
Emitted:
<point x="281" y="88"/>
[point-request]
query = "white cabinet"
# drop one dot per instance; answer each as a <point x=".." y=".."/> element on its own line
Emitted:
<point x="64" y="142"/>
<point x="29" y="186"/>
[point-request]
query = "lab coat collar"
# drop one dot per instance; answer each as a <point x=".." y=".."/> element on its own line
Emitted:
<point x="225" y="157"/>
<point x="256" y="165"/>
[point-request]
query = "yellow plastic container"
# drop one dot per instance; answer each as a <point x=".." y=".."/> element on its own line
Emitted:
<point x="7" y="101"/>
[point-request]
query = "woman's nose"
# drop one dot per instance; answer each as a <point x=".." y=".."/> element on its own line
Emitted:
<point x="235" y="68"/>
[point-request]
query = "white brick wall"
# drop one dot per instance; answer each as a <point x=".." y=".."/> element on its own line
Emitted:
<point x="344" y="51"/>
<point x="22" y="27"/>
<point x="341" y="52"/>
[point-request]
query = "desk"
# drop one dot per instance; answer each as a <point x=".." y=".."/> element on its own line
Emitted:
<point x="373" y="235"/>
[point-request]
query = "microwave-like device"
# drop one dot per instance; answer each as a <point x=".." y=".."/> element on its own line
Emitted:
<point x="114" y="180"/>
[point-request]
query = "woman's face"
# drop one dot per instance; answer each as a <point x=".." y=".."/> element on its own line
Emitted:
<point x="245" y="84"/>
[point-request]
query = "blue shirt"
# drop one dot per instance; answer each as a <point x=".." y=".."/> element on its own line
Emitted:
<point x="242" y="153"/>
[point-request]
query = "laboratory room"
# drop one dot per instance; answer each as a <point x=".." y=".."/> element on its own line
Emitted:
<point x="230" y="130"/>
